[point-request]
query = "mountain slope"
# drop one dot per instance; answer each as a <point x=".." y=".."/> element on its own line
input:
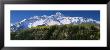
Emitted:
<point x="59" y="32"/>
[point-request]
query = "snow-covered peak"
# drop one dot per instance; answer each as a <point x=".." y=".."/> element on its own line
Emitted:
<point x="58" y="13"/>
<point x="34" y="17"/>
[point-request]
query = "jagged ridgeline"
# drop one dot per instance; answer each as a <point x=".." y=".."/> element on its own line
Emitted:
<point x="56" y="27"/>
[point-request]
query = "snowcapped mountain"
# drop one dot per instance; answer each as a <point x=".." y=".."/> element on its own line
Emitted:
<point x="56" y="19"/>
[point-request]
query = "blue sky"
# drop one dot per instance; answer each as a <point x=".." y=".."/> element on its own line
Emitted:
<point x="18" y="15"/>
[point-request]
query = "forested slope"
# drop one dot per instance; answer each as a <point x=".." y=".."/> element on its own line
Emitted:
<point x="59" y="32"/>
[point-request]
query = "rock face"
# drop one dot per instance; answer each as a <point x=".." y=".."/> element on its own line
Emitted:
<point x="56" y="19"/>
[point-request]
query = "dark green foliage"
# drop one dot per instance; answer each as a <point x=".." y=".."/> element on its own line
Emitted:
<point x="59" y="32"/>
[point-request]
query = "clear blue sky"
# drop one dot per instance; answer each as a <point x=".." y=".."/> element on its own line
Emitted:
<point x="18" y="15"/>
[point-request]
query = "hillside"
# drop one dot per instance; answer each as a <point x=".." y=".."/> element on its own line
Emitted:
<point x="59" y="32"/>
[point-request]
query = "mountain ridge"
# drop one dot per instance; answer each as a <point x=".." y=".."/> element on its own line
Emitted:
<point x="56" y="19"/>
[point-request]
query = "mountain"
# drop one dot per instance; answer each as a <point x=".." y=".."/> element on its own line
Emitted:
<point x="55" y="19"/>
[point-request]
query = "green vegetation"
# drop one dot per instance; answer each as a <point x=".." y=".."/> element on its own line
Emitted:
<point x="59" y="32"/>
